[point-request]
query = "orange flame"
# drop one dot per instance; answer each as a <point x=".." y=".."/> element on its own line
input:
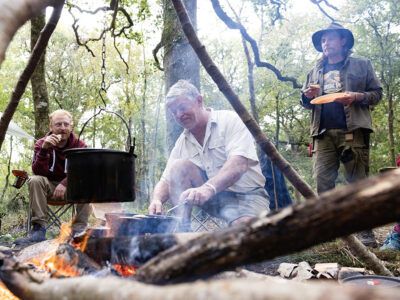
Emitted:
<point x="125" y="271"/>
<point x="5" y="293"/>
<point x="51" y="264"/>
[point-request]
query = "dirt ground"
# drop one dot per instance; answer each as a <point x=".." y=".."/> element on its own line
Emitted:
<point x="334" y="251"/>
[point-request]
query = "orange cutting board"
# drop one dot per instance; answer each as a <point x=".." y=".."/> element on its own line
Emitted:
<point x="327" y="98"/>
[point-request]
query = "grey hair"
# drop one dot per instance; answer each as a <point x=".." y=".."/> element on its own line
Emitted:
<point x="182" y="88"/>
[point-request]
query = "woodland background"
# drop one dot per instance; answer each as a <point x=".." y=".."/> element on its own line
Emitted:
<point x="71" y="77"/>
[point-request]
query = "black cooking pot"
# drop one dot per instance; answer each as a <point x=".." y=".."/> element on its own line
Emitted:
<point x="100" y="175"/>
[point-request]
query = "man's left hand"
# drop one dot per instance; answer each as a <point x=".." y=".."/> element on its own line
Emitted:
<point x="197" y="196"/>
<point x="348" y="99"/>
<point x="59" y="192"/>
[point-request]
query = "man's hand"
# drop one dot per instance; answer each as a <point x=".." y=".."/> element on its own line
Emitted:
<point x="197" y="196"/>
<point x="349" y="98"/>
<point x="155" y="208"/>
<point x="59" y="192"/>
<point x="312" y="91"/>
<point x="51" y="141"/>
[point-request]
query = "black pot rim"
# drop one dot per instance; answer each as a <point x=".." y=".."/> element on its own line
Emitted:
<point x="95" y="150"/>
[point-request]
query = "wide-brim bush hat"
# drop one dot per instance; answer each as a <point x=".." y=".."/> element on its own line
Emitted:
<point x="316" y="37"/>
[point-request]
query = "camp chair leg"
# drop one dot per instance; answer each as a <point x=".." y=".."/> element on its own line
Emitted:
<point x="28" y="223"/>
<point x="54" y="216"/>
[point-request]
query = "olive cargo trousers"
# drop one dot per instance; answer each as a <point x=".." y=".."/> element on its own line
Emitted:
<point x="335" y="146"/>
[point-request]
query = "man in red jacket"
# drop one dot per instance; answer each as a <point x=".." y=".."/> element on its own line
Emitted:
<point x="49" y="180"/>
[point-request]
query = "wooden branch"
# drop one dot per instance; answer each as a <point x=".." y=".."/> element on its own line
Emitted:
<point x="362" y="205"/>
<point x="241" y="110"/>
<point x="33" y="61"/>
<point x="366" y="257"/>
<point x="234" y="25"/>
<point x="14" y="14"/>
<point x="318" y="3"/>
<point x="20" y="282"/>
<point x="298" y="183"/>
<point x="155" y="51"/>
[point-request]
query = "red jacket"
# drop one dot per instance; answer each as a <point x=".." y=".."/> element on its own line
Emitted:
<point x="51" y="162"/>
<point x="398" y="162"/>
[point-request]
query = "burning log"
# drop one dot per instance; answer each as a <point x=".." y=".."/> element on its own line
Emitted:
<point x="362" y="205"/>
<point x="58" y="259"/>
<point x="69" y="261"/>
<point x="133" y="251"/>
<point x="89" y="287"/>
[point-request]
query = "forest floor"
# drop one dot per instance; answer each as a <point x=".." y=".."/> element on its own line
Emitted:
<point x="331" y="252"/>
<point x="335" y="252"/>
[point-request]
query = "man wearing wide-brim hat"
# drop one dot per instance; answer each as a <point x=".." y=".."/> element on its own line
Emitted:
<point x="340" y="129"/>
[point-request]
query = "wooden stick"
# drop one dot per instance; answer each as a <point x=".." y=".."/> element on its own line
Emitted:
<point x="251" y="124"/>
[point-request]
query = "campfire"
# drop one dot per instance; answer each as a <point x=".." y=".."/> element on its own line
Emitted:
<point x="104" y="256"/>
<point x="75" y="256"/>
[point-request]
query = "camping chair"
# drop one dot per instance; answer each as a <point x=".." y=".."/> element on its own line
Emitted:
<point x="53" y="215"/>
<point x="203" y="221"/>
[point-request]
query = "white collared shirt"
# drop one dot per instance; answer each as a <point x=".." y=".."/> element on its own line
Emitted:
<point x="225" y="136"/>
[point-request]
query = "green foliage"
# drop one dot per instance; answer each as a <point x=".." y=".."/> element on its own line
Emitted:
<point x="136" y="92"/>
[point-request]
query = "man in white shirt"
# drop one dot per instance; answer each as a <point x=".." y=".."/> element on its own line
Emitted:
<point x="214" y="163"/>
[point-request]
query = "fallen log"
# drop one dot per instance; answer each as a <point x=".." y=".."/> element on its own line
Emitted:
<point x="57" y="259"/>
<point x="133" y="251"/>
<point x="89" y="287"/>
<point x="362" y="205"/>
<point x="68" y="260"/>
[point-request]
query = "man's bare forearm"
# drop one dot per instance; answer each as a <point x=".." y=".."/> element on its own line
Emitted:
<point x="161" y="192"/>
<point x="230" y="172"/>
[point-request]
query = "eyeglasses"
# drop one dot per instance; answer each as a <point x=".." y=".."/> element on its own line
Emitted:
<point x="61" y="124"/>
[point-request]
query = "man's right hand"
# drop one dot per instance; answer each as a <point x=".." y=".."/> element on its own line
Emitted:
<point x="155" y="207"/>
<point x="51" y="141"/>
<point x="312" y="91"/>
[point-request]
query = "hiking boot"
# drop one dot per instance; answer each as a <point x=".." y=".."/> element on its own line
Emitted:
<point x="367" y="237"/>
<point x="392" y="242"/>
<point x="37" y="234"/>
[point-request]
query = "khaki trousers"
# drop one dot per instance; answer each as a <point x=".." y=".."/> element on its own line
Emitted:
<point x="41" y="189"/>
<point x="336" y="146"/>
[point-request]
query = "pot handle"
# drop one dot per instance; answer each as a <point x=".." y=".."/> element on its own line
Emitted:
<point x="131" y="146"/>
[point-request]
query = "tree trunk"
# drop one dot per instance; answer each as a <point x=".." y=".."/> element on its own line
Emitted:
<point x="38" y="82"/>
<point x="31" y="65"/>
<point x="180" y="61"/>
<point x="390" y="127"/>
<point x="362" y="205"/>
<point x="7" y="183"/>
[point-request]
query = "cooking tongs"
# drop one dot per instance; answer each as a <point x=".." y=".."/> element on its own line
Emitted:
<point x="176" y="206"/>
